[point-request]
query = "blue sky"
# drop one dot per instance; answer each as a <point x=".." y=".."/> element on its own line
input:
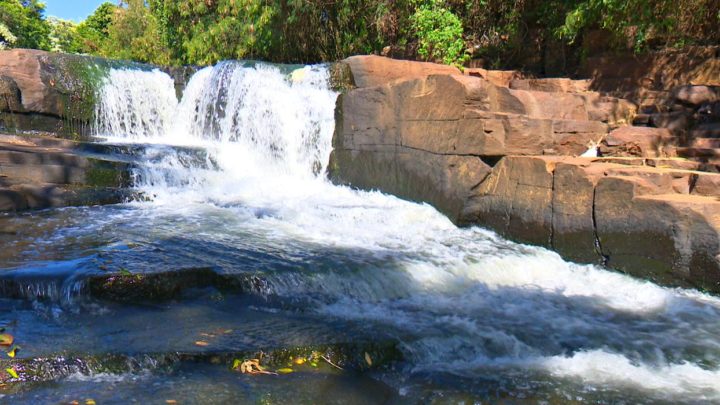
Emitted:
<point x="76" y="10"/>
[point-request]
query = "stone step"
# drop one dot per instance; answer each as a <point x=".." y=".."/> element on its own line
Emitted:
<point x="692" y="152"/>
<point x="20" y="157"/>
<point x="41" y="196"/>
<point x="706" y="143"/>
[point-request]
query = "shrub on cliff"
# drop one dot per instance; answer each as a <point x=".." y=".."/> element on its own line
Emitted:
<point x="440" y="34"/>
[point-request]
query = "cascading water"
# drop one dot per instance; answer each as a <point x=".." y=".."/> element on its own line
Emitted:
<point x="235" y="172"/>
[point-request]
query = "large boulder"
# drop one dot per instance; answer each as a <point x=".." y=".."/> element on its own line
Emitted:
<point x="371" y="70"/>
<point x="57" y="92"/>
<point x="696" y="95"/>
<point x="669" y="238"/>
<point x="489" y="155"/>
<point x="515" y="200"/>
<point x="656" y="223"/>
<point x="638" y="141"/>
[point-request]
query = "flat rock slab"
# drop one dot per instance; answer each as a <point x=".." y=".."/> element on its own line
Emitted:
<point x="44" y="172"/>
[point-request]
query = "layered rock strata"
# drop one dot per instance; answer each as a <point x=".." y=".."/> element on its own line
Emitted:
<point x="507" y="158"/>
<point x="38" y="173"/>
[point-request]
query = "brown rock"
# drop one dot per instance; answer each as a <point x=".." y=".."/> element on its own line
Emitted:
<point x="370" y="70"/>
<point x="10" y="96"/>
<point x="707" y="184"/>
<point x="500" y="78"/>
<point x="444" y="181"/>
<point x="573" y="201"/>
<point x="671" y="239"/>
<point x="696" y="95"/>
<point x="636" y="141"/>
<point x="552" y="85"/>
<point x="516" y="200"/>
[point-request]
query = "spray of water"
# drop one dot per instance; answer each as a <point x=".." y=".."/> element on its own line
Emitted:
<point x="255" y="144"/>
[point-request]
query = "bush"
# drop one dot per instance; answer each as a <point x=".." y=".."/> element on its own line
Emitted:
<point x="7" y="39"/>
<point x="439" y="33"/>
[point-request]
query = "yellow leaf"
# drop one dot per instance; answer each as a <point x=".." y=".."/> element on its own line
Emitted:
<point x="236" y="364"/>
<point x="300" y="361"/>
<point x="286" y="371"/>
<point x="12" y="373"/>
<point x="90" y="402"/>
<point x="170" y="401"/>
<point x="6" y="339"/>
<point x="13" y="352"/>
<point x="201" y="343"/>
<point x="368" y="359"/>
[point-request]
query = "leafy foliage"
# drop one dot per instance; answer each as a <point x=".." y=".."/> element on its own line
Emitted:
<point x="134" y="34"/>
<point x="7" y="38"/>
<point x="440" y="34"/>
<point x="93" y="33"/>
<point x="25" y="20"/>
<point x="305" y="31"/>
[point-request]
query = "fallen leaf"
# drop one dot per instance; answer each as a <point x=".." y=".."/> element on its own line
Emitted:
<point x="201" y="343"/>
<point x="170" y="401"/>
<point x="300" y="361"/>
<point x="90" y="402"/>
<point x="253" y="367"/>
<point x="286" y="371"/>
<point x="74" y="403"/>
<point x="6" y="339"/>
<point x="368" y="359"/>
<point x="12" y="373"/>
<point x="13" y="352"/>
<point x="236" y="364"/>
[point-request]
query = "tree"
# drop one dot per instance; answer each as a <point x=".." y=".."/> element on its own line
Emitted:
<point x="134" y="34"/>
<point x="7" y="38"/>
<point x="94" y="31"/>
<point x="25" y="19"/>
<point x="64" y="36"/>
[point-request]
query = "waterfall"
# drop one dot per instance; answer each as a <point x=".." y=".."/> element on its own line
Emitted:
<point x="248" y="147"/>
<point x="135" y="104"/>
<point x="252" y="118"/>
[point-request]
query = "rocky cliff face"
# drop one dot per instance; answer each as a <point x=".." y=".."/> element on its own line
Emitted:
<point x="507" y="158"/>
<point x="53" y="93"/>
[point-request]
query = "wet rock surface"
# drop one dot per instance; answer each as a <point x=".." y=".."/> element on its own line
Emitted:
<point x="37" y="173"/>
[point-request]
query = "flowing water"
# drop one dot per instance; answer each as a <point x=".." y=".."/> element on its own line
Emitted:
<point x="232" y="179"/>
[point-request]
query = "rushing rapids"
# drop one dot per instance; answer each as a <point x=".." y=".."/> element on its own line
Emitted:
<point x="233" y="180"/>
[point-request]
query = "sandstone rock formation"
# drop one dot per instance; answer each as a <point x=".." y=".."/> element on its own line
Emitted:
<point x="45" y="172"/>
<point x="51" y="92"/>
<point x="506" y="158"/>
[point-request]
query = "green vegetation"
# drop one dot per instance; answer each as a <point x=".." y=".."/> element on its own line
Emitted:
<point x="24" y="20"/>
<point x="300" y="31"/>
<point x="439" y="33"/>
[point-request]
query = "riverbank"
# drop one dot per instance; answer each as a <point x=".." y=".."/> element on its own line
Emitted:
<point x="488" y="148"/>
<point x="503" y="153"/>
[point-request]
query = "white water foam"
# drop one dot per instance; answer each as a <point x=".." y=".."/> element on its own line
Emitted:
<point x="461" y="299"/>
